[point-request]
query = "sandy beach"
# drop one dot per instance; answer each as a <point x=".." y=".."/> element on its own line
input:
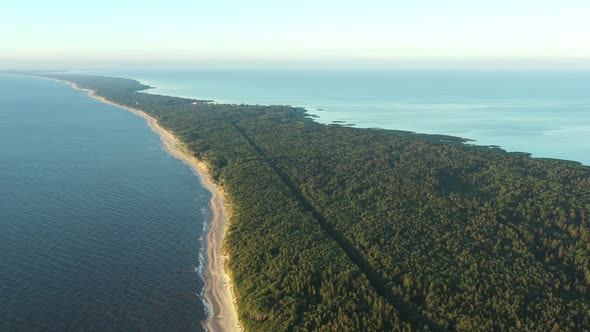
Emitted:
<point x="218" y="293"/>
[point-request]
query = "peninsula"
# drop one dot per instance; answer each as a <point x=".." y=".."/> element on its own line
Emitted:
<point x="339" y="228"/>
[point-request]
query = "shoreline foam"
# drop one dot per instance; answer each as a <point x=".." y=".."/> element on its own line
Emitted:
<point x="218" y="293"/>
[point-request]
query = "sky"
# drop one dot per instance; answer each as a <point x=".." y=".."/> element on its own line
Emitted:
<point x="321" y="32"/>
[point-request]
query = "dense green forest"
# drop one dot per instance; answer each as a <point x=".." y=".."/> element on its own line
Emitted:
<point x="337" y="228"/>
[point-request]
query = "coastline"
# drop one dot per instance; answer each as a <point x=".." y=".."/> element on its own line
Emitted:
<point x="470" y="166"/>
<point x="219" y="292"/>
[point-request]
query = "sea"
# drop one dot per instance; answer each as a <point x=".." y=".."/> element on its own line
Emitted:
<point x="100" y="229"/>
<point x="542" y="112"/>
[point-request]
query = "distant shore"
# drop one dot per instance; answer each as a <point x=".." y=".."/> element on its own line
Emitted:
<point x="219" y="292"/>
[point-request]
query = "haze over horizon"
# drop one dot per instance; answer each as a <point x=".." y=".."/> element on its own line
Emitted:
<point x="263" y="33"/>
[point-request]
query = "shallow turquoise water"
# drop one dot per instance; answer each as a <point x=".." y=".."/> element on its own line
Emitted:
<point x="100" y="229"/>
<point x="546" y="113"/>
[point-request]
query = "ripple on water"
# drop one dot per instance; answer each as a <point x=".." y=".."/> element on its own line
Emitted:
<point x="100" y="229"/>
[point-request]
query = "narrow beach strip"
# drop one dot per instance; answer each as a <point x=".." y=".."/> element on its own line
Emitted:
<point x="219" y="292"/>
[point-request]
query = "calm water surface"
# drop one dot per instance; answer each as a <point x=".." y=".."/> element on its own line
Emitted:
<point x="100" y="229"/>
<point x="546" y="113"/>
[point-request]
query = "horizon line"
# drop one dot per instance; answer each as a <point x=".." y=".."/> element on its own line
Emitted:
<point x="317" y="63"/>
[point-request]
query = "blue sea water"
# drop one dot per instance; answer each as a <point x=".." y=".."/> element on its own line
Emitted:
<point x="100" y="229"/>
<point x="543" y="112"/>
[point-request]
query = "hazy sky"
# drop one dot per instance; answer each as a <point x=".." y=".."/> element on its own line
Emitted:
<point x="329" y="31"/>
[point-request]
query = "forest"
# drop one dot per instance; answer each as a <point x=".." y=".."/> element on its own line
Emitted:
<point x="336" y="228"/>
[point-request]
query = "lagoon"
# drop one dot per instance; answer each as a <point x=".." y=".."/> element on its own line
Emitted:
<point x="542" y="112"/>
